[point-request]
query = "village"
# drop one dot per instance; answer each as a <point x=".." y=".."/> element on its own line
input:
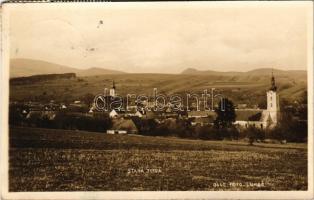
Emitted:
<point x="141" y="116"/>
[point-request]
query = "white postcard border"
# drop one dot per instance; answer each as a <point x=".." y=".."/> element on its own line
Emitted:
<point x="4" y="89"/>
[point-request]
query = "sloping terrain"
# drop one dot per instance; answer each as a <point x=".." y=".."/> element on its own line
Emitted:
<point x="248" y="89"/>
<point x="60" y="160"/>
<point x="28" y="67"/>
<point x="255" y="72"/>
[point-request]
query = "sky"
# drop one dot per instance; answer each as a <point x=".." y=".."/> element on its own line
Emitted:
<point x="163" y="37"/>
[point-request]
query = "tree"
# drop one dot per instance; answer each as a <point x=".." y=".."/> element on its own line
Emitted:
<point x="292" y="124"/>
<point x="206" y="132"/>
<point x="225" y="114"/>
<point x="254" y="134"/>
<point x="302" y="107"/>
<point x="88" y="98"/>
<point x="16" y="115"/>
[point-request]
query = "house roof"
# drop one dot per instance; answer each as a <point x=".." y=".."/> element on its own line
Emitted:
<point x="123" y="124"/>
<point x="201" y="113"/>
<point x="204" y="120"/>
<point x="41" y="114"/>
<point x="248" y="115"/>
<point x="113" y="112"/>
<point x="150" y="115"/>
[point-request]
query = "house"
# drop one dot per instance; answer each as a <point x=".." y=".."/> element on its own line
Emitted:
<point x="134" y="113"/>
<point x="200" y="114"/>
<point x="203" y="121"/>
<point x="138" y="114"/>
<point x="242" y="106"/>
<point x="113" y="114"/>
<point x="249" y="117"/>
<point x="122" y="126"/>
<point x="50" y="115"/>
<point x="150" y="115"/>
<point x="116" y="132"/>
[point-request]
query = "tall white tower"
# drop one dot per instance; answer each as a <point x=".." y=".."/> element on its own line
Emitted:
<point x="112" y="91"/>
<point x="272" y="103"/>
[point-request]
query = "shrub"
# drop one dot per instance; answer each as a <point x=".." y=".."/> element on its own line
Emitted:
<point x="296" y="131"/>
<point x="254" y="134"/>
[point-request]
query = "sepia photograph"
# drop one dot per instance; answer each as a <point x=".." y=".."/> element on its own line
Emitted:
<point x="157" y="100"/>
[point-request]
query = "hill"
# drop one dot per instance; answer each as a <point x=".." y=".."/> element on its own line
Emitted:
<point x="193" y="71"/>
<point x="39" y="78"/>
<point x="28" y="67"/>
<point x="255" y="72"/>
<point x="249" y="89"/>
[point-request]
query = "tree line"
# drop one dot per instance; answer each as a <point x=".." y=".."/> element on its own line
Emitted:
<point x="292" y="125"/>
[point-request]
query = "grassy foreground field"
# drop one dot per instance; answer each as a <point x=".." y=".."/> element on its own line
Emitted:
<point x="60" y="160"/>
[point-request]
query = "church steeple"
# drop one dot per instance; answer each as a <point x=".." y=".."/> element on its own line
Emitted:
<point x="113" y="85"/>
<point x="112" y="91"/>
<point x="273" y="82"/>
<point x="272" y="103"/>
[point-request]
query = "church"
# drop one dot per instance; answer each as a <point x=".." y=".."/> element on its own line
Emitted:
<point x="261" y="118"/>
<point x="106" y="100"/>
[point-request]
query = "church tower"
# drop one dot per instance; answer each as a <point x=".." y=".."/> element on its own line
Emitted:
<point x="272" y="103"/>
<point x="112" y="91"/>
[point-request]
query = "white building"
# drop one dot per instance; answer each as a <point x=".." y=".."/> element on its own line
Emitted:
<point x="112" y="91"/>
<point x="258" y="117"/>
<point x="113" y="114"/>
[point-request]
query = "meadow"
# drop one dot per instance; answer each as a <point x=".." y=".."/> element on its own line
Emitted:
<point x="65" y="160"/>
<point x="241" y="89"/>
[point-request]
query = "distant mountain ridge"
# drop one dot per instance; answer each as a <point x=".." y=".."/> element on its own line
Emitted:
<point x="28" y="67"/>
<point x="260" y="71"/>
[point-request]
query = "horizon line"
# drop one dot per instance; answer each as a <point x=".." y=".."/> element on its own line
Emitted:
<point x="174" y="73"/>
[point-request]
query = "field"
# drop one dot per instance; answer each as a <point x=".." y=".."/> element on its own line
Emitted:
<point x="241" y="89"/>
<point x="60" y="160"/>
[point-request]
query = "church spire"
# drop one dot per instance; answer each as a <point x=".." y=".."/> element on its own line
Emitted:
<point x="113" y="85"/>
<point x="273" y="83"/>
<point x="112" y="91"/>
